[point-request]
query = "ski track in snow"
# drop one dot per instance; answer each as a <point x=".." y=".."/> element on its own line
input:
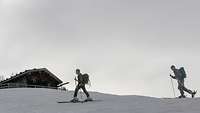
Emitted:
<point x="28" y="100"/>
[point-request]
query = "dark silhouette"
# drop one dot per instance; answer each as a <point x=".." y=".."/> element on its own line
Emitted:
<point x="82" y="80"/>
<point x="180" y="75"/>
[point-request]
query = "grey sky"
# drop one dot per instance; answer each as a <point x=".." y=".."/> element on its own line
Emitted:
<point x="127" y="46"/>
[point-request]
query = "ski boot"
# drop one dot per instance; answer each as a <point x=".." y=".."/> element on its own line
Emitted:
<point x="193" y="94"/>
<point x="182" y="96"/>
<point x="74" y="100"/>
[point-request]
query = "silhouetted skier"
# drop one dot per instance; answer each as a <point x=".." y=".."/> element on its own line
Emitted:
<point x="180" y="75"/>
<point x="82" y="80"/>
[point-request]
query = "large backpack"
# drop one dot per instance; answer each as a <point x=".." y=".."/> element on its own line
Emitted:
<point x="85" y="78"/>
<point x="182" y="71"/>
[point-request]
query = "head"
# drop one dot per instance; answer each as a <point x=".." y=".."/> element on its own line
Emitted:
<point x="78" y="71"/>
<point x="173" y="67"/>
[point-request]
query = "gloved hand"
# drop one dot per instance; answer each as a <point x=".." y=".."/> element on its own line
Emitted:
<point x="75" y="79"/>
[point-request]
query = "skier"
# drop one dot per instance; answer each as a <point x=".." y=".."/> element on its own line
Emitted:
<point x="180" y="75"/>
<point x="82" y="80"/>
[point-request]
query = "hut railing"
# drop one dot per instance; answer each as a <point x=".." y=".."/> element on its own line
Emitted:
<point x="19" y="85"/>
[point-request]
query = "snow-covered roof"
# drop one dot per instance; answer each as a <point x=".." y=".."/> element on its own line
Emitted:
<point x="29" y="71"/>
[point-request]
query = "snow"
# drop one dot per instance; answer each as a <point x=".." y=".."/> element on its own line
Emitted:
<point x="30" y="100"/>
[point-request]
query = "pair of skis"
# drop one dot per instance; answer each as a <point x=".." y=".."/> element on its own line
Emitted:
<point x="79" y="101"/>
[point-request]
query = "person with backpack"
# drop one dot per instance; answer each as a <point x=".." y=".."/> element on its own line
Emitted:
<point x="82" y="80"/>
<point x="180" y="75"/>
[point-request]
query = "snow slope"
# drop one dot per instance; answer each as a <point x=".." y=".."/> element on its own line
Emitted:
<point x="27" y="100"/>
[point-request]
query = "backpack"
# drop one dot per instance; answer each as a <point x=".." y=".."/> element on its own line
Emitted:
<point x="85" y="78"/>
<point x="182" y="71"/>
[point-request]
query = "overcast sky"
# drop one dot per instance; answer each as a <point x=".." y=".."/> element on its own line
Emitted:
<point x="126" y="46"/>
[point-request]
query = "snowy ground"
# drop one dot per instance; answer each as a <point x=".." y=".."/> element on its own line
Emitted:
<point x="26" y="100"/>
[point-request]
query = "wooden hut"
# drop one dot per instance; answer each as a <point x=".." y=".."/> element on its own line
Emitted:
<point x="32" y="78"/>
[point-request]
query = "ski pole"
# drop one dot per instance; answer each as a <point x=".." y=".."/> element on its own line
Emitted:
<point x="89" y="83"/>
<point x="173" y="88"/>
<point x="75" y="81"/>
<point x="81" y="94"/>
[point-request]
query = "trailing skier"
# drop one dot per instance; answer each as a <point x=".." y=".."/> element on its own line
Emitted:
<point x="82" y="80"/>
<point x="180" y="75"/>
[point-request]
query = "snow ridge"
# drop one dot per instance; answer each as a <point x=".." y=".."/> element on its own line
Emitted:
<point x="38" y="100"/>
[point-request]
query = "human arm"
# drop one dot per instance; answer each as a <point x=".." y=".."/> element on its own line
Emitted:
<point x="172" y="76"/>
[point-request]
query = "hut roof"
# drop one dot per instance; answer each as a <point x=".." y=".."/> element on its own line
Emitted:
<point x="29" y="71"/>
